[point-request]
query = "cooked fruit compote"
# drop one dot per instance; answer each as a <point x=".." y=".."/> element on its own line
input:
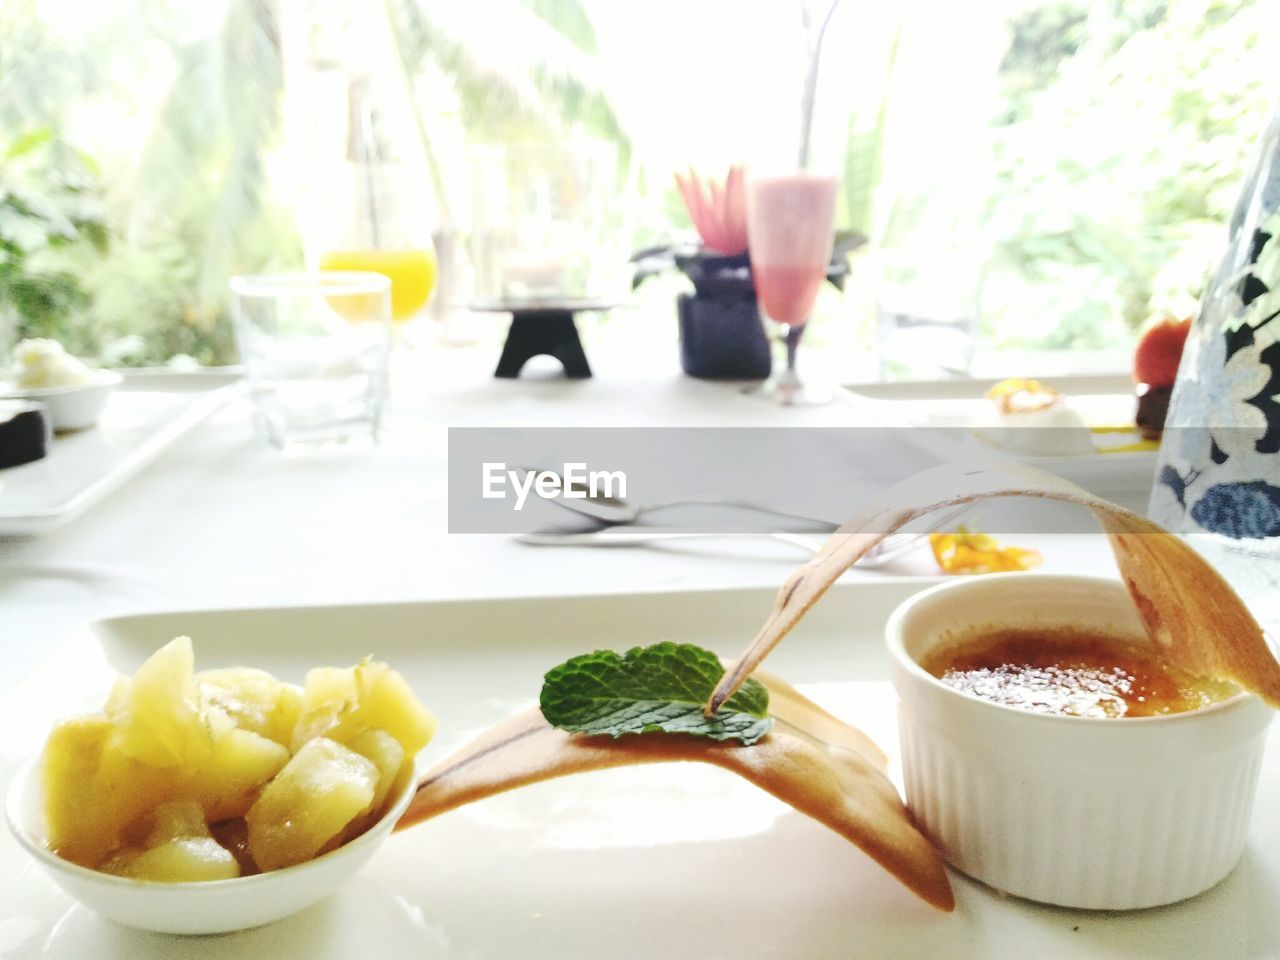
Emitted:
<point x="1070" y="673"/>
<point x="189" y="776"/>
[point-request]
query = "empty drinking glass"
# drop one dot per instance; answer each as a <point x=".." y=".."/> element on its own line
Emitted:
<point x="315" y="350"/>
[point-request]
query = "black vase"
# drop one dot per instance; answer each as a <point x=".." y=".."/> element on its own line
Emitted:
<point x="721" y="334"/>
<point x="722" y="339"/>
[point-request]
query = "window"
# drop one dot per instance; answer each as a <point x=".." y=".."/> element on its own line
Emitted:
<point x="1043" y="175"/>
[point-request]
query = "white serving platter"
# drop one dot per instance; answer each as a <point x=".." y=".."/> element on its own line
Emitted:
<point x="659" y="861"/>
<point x="941" y="416"/>
<point x="146" y="414"/>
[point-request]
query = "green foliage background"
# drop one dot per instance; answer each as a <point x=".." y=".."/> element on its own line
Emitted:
<point x="1117" y="140"/>
<point x="191" y="206"/>
<point x="1125" y="132"/>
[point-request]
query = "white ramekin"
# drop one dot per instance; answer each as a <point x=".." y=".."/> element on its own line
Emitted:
<point x="1113" y="814"/>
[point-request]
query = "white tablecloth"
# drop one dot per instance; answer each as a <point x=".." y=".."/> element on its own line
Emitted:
<point x="223" y="520"/>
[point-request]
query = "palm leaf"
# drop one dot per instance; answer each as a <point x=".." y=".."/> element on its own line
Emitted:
<point x="537" y="72"/>
<point x="864" y="158"/>
<point x="569" y="18"/>
<point x="210" y="140"/>
<point x="252" y="81"/>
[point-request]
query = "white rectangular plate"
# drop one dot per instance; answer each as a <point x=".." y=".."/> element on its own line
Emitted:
<point x="147" y="413"/>
<point x="942" y="413"/>
<point x="648" y="862"/>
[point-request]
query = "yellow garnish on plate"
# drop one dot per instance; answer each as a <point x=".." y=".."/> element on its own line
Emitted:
<point x="1121" y="439"/>
<point x="1019" y="395"/>
<point x="963" y="551"/>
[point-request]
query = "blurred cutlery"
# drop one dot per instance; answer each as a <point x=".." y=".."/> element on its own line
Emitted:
<point x="611" y="522"/>
<point x="619" y="510"/>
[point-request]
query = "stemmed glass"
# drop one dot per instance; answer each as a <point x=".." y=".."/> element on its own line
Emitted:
<point x="790" y="235"/>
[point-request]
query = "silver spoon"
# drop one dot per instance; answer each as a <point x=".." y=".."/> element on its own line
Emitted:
<point x="616" y="536"/>
<point x="619" y="510"/>
<point x="600" y="534"/>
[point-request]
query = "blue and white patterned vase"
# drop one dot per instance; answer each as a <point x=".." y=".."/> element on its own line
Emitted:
<point x="1219" y="471"/>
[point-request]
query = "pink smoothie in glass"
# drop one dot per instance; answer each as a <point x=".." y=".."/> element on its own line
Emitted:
<point x="790" y="231"/>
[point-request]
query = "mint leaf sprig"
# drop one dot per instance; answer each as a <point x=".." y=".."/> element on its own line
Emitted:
<point x="659" y="688"/>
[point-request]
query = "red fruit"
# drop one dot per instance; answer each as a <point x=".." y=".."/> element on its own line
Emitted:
<point x="1155" y="361"/>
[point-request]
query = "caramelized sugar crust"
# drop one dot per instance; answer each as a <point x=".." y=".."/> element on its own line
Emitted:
<point x="1070" y="672"/>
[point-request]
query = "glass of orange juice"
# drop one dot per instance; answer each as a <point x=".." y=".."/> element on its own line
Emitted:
<point x="382" y="204"/>
<point x="412" y="273"/>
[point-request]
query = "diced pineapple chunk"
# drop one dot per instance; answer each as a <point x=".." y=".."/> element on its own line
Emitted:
<point x="388" y="703"/>
<point x="256" y="700"/>
<point x="228" y="782"/>
<point x="387" y="755"/>
<point x="339" y="704"/>
<point x="160" y="721"/>
<point x="288" y="707"/>
<point x="188" y="776"/>
<point x="79" y="831"/>
<point x="328" y="694"/>
<point x="178" y="849"/>
<point x="322" y="789"/>
<point x="93" y="793"/>
<point x="175" y="820"/>
<point x="182" y="860"/>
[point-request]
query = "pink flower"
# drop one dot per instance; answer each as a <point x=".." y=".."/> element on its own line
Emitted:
<point x="720" y="212"/>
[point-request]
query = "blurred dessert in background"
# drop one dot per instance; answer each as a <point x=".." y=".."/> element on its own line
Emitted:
<point x="40" y="364"/>
<point x="1019" y="404"/>
<point x="71" y="394"/>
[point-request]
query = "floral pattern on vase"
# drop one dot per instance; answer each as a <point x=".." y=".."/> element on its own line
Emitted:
<point x="1220" y="460"/>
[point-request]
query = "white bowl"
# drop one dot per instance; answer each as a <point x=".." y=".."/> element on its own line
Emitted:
<point x="75" y="407"/>
<point x="1113" y="814"/>
<point x="214" y="906"/>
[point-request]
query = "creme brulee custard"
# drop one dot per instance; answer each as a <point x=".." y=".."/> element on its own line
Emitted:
<point x="1042" y="800"/>
<point x="1071" y="673"/>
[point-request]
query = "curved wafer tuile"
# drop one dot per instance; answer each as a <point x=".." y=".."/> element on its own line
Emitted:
<point x="810" y="760"/>
<point x="1189" y="610"/>
<point x="1195" y="617"/>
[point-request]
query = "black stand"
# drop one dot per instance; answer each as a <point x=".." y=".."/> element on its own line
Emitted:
<point x="537" y="331"/>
